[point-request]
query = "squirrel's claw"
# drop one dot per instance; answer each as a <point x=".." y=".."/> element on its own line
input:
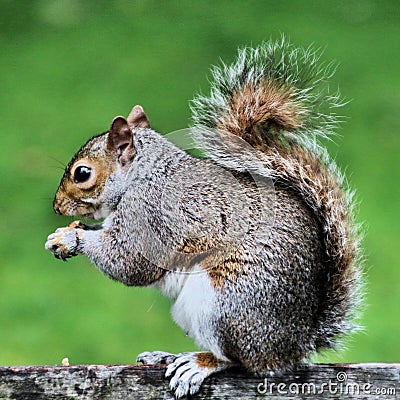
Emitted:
<point x="188" y="371"/>
<point x="187" y="376"/>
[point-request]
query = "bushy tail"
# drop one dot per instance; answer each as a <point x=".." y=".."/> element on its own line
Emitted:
<point x="275" y="97"/>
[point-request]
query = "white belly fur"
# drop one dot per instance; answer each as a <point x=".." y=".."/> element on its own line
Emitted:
<point x="194" y="306"/>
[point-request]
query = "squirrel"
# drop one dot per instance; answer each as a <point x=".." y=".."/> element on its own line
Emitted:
<point x="254" y="241"/>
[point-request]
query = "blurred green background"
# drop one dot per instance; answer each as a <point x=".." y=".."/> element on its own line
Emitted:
<point x="68" y="67"/>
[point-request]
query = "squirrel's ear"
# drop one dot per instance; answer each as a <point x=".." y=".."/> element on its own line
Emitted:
<point x="138" y="118"/>
<point x="120" y="140"/>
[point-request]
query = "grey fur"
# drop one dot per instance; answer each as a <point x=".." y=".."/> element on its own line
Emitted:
<point x="275" y="236"/>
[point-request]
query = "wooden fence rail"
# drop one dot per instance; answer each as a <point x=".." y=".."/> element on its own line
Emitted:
<point x="126" y="382"/>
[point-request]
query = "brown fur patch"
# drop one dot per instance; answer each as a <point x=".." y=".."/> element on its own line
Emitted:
<point x="207" y="360"/>
<point x="225" y="266"/>
<point x="77" y="225"/>
<point x="226" y="271"/>
<point x="222" y="262"/>
<point x="265" y="106"/>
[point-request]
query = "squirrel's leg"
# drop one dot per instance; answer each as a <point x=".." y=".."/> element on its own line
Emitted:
<point x="64" y="242"/>
<point x="103" y="246"/>
<point x="186" y="371"/>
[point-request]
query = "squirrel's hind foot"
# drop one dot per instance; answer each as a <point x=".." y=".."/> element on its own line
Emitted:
<point x="186" y="371"/>
<point x="189" y="370"/>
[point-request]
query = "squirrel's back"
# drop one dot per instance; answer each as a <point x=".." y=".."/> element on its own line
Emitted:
<point x="274" y="98"/>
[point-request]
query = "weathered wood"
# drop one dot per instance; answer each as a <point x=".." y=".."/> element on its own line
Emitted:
<point x="126" y="382"/>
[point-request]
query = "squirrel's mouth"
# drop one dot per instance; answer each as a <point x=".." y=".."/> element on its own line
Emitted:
<point x="78" y="209"/>
<point x="96" y="215"/>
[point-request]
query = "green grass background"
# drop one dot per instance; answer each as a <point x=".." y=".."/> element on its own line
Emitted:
<point x="68" y="67"/>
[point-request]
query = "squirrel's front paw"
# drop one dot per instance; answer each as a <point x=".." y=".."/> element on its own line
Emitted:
<point x="156" y="357"/>
<point x="63" y="243"/>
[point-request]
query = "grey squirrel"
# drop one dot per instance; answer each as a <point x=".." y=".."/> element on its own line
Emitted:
<point x="255" y="243"/>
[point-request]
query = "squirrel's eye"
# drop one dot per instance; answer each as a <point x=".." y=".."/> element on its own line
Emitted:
<point x="82" y="174"/>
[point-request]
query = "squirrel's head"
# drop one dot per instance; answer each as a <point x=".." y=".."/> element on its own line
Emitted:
<point x="93" y="181"/>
